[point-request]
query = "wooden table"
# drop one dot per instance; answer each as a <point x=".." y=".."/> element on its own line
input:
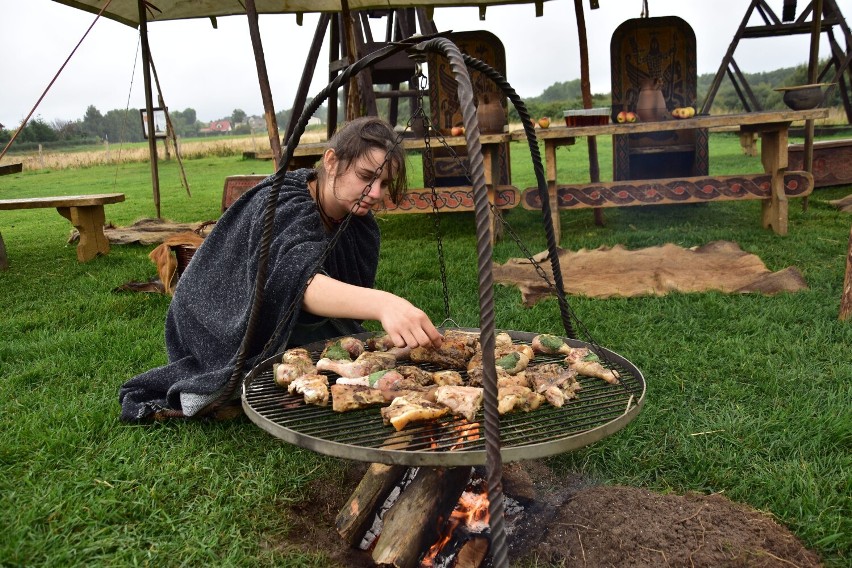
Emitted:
<point x="771" y="125"/>
<point x="86" y="213"/>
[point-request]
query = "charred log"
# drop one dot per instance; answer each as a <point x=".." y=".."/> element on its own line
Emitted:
<point x="425" y="504"/>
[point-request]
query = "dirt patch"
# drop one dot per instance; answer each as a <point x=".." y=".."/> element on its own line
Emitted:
<point x="573" y="522"/>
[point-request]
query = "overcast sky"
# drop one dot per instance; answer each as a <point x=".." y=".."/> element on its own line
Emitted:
<point x="213" y="71"/>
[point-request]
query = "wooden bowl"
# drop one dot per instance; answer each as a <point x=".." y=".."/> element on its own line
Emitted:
<point x="802" y="97"/>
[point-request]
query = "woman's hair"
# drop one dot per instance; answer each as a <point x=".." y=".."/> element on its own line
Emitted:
<point x="357" y="137"/>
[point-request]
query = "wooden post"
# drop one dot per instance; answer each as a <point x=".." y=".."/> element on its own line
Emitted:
<point x="586" y="91"/>
<point x="263" y="80"/>
<point x="773" y="156"/>
<point x="149" y="104"/>
<point x="4" y="261"/>
<point x="813" y="70"/>
<point x="846" y="298"/>
<point x="307" y="75"/>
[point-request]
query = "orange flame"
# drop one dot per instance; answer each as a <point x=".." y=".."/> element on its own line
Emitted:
<point x="471" y="512"/>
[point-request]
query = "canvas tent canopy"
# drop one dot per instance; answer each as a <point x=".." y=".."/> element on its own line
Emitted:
<point x="127" y="11"/>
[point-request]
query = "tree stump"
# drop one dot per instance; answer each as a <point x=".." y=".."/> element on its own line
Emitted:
<point x="846" y="297"/>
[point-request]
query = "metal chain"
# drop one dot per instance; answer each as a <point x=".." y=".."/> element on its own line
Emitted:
<point x="429" y="170"/>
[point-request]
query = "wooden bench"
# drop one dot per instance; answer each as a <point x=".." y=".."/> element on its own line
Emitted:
<point x="674" y="191"/>
<point x="832" y="161"/>
<point x="86" y="213"/>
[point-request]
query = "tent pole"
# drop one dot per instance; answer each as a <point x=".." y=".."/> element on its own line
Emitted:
<point x="813" y="69"/>
<point x="307" y="75"/>
<point x="263" y="79"/>
<point x="586" y="91"/>
<point x="149" y="104"/>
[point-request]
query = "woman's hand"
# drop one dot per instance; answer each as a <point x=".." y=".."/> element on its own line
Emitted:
<point x="405" y="324"/>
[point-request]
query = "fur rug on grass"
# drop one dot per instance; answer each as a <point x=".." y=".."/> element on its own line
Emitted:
<point x="655" y="271"/>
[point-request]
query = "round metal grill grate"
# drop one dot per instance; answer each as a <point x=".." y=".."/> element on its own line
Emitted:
<point x="600" y="410"/>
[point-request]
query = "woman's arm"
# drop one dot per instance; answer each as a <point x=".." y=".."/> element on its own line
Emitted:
<point x="406" y="324"/>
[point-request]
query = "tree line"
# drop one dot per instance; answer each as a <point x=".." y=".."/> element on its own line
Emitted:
<point x="126" y="125"/>
<point x="567" y="95"/>
<point x="118" y="126"/>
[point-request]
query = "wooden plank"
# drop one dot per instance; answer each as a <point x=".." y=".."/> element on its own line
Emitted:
<point x="831" y="164"/>
<point x="7" y="169"/>
<point x="61" y="201"/>
<point x="671" y="191"/>
<point x="759" y="119"/>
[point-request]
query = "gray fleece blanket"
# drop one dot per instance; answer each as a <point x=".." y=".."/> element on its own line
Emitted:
<point x="209" y="313"/>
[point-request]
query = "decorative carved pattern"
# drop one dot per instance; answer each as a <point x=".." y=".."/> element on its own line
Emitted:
<point x="449" y="199"/>
<point x="687" y="190"/>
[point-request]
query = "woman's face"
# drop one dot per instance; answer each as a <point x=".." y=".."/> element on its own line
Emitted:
<point x="346" y="188"/>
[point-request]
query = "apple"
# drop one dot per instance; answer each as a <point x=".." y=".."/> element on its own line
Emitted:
<point x="691" y="112"/>
<point x="621" y="117"/>
<point x="630" y="116"/>
<point x="544" y="121"/>
<point x="677" y="112"/>
<point x="457" y="131"/>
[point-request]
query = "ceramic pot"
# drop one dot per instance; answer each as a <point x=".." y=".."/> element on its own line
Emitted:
<point x="492" y="117"/>
<point x="802" y="97"/>
<point x="651" y="105"/>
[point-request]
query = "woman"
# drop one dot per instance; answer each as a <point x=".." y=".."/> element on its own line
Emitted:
<point x="209" y="313"/>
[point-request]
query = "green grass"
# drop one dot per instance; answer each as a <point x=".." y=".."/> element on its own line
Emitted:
<point x="748" y="395"/>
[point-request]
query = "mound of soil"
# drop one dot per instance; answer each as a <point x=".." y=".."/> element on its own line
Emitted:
<point x="573" y="522"/>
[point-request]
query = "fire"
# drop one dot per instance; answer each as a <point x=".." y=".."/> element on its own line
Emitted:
<point x="471" y="512"/>
<point x="457" y="434"/>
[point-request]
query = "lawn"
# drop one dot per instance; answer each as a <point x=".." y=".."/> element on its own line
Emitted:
<point x="748" y="395"/>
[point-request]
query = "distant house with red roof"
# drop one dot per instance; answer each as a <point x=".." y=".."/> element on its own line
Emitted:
<point x="217" y="127"/>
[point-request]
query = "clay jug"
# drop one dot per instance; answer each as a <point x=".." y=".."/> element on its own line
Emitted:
<point x="651" y="105"/>
<point x="489" y="111"/>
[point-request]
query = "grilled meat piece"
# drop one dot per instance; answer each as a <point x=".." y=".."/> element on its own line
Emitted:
<point x="294" y="363"/>
<point x="556" y="382"/>
<point x="366" y="363"/>
<point x="313" y="387"/>
<point x="449" y="378"/>
<point x="384" y="344"/>
<point x="343" y="349"/>
<point x="454" y="353"/>
<point x="416" y="374"/>
<point x="406" y="409"/>
<point x="354" y="397"/>
<point x="588" y="364"/>
<point x="475" y="377"/>
<point x="511" y="398"/>
<point x="550" y="344"/>
<point x="512" y="358"/>
<point x="579" y="358"/>
<point x="462" y="401"/>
